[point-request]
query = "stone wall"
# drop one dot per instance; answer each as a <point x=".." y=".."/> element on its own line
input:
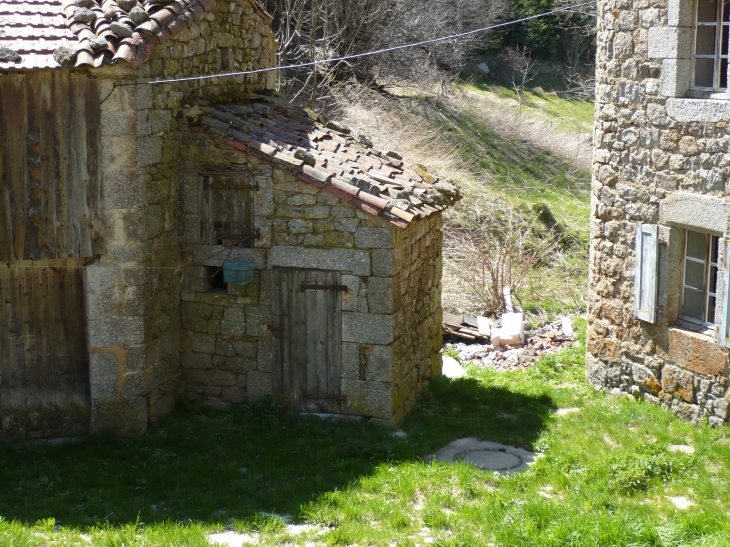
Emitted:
<point x="418" y="315"/>
<point x="653" y="149"/>
<point x="392" y="305"/>
<point x="134" y="289"/>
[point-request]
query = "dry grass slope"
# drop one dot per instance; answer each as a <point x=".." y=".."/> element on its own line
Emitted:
<point x="531" y="163"/>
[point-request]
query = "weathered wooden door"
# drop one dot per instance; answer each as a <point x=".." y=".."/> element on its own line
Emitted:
<point x="307" y="325"/>
<point x="44" y="363"/>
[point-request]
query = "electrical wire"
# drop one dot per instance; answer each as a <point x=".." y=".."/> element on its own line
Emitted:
<point x="359" y="55"/>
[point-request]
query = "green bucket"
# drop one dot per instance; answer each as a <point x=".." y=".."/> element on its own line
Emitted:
<point x="238" y="273"/>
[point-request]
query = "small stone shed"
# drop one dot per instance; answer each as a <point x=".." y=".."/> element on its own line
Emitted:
<point x="119" y="202"/>
<point x="344" y="313"/>
<point x="659" y="290"/>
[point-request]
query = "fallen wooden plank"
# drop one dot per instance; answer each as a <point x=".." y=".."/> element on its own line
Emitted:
<point x="452" y="320"/>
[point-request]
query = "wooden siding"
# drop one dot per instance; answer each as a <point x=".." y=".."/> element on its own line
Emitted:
<point x="44" y="363"/>
<point x="307" y="354"/>
<point x="49" y="166"/>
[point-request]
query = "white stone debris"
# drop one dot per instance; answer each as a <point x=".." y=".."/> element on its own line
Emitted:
<point x="681" y="502"/>
<point x="452" y="368"/>
<point x="566" y="411"/>
<point x="232" y="539"/>
<point x="683" y="448"/>
<point x="513" y="357"/>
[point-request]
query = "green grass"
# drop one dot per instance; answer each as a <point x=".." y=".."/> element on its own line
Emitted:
<point x="567" y="115"/>
<point x="604" y="476"/>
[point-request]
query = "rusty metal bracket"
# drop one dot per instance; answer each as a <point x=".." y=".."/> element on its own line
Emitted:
<point x="342" y="288"/>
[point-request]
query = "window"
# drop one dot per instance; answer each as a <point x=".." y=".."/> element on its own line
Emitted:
<point x="699" y="279"/>
<point x="710" y="49"/>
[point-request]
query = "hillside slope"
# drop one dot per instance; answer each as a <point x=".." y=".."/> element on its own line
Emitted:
<point x="529" y="163"/>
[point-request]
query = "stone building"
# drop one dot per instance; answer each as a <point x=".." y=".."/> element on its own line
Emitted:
<point x="121" y="201"/>
<point x="660" y="216"/>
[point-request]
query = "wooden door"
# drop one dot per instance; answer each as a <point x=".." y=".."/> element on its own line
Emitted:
<point x="44" y="363"/>
<point x="307" y="326"/>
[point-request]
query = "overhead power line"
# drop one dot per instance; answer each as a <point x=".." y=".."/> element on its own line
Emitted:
<point x="360" y="55"/>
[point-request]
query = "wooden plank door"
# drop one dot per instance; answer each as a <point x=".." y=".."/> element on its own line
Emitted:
<point x="44" y="363"/>
<point x="307" y="325"/>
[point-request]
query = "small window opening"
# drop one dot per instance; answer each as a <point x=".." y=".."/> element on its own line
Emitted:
<point x="217" y="283"/>
<point x="699" y="280"/>
<point x="710" y="45"/>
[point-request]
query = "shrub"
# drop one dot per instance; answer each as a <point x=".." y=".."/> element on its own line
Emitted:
<point x="634" y="473"/>
<point x="488" y="251"/>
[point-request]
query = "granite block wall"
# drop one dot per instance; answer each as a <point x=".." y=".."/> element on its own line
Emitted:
<point x="391" y="313"/>
<point x="134" y="289"/>
<point x="660" y="158"/>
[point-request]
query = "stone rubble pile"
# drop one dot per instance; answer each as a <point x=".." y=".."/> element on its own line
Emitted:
<point x="513" y="357"/>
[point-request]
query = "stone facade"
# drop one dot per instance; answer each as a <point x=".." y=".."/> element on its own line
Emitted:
<point x="134" y="289"/>
<point x="159" y="325"/>
<point x="391" y="313"/>
<point x="660" y="159"/>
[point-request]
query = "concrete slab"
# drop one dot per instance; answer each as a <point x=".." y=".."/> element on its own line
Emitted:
<point x="487" y="455"/>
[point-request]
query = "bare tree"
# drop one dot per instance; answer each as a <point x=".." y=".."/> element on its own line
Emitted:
<point x="488" y="250"/>
<point x="521" y="67"/>
<point x="317" y="30"/>
<point x="413" y="21"/>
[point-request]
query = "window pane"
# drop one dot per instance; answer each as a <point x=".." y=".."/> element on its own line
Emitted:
<point x="726" y="11"/>
<point x="693" y="304"/>
<point x="713" y="280"/>
<point x="714" y="249"/>
<point x="696" y="245"/>
<point x="725" y="28"/>
<point x="711" y="309"/>
<point x="705" y="44"/>
<point x="704" y="72"/>
<point x="723" y="73"/>
<point x="694" y="275"/>
<point x="706" y="11"/>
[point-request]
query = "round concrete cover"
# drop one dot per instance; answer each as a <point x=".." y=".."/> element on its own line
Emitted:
<point x="491" y="459"/>
<point x="487" y="455"/>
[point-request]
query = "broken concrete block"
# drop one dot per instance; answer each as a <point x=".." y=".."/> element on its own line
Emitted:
<point x="484" y="326"/>
<point x="452" y="368"/>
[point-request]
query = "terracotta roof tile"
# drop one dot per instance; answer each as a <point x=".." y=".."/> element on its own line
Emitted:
<point x="31" y="31"/>
<point x="335" y="161"/>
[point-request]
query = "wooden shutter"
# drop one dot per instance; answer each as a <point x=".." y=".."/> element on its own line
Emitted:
<point x="226" y="209"/>
<point x="645" y="280"/>
<point x="723" y="332"/>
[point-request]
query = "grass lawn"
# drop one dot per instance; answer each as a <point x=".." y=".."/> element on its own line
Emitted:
<point x="605" y="476"/>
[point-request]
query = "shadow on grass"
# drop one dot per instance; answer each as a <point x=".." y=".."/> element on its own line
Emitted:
<point x="214" y="466"/>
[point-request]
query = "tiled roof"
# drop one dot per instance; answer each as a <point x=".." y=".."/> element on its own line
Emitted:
<point x="325" y="154"/>
<point x="54" y="33"/>
<point x="30" y="31"/>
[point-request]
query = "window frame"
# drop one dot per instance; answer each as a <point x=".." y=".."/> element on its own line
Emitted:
<point x="708" y="327"/>
<point x="716" y="91"/>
